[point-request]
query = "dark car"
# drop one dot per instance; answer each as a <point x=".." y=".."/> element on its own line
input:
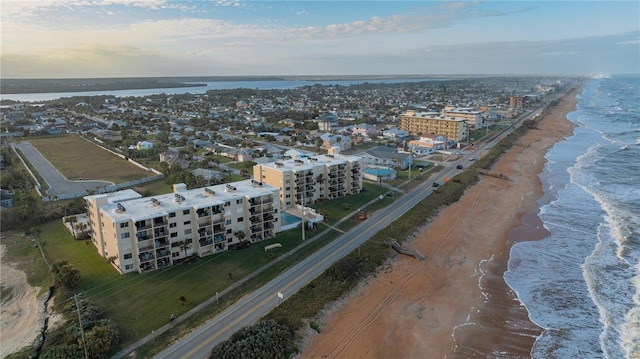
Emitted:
<point x="435" y="184"/>
<point x="459" y="167"/>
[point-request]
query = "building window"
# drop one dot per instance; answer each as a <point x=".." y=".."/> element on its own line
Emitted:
<point x="288" y="188"/>
<point x="128" y="256"/>
<point x="124" y="235"/>
<point x="175" y="254"/>
<point x="172" y="225"/>
<point x="124" y="224"/>
<point x="287" y="181"/>
<point x="174" y="234"/>
<point x="240" y="219"/>
<point x="186" y="211"/>
<point x="239" y="201"/>
<point x="228" y="221"/>
<point x="229" y="231"/>
<point x="230" y="239"/>
<point x="187" y="231"/>
<point x="187" y="223"/>
<point x="172" y="214"/>
<point x="227" y="204"/>
<point x="128" y="267"/>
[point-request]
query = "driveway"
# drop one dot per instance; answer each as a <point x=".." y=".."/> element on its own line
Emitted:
<point x="58" y="184"/>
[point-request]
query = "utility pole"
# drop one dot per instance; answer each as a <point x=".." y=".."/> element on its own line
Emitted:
<point x="84" y="344"/>
<point x="302" y="210"/>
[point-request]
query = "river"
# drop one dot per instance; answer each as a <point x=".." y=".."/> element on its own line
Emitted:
<point x="217" y="85"/>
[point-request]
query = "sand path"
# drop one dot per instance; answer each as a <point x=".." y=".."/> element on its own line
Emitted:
<point x="436" y="308"/>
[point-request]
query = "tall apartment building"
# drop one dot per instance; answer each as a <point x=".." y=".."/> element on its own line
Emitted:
<point x="144" y="233"/>
<point x="517" y="102"/>
<point x="425" y="123"/>
<point x="305" y="180"/>
<point x="474" y="118"/>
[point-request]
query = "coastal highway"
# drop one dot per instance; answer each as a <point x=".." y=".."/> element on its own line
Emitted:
<point x="255" y="305"/>
<point x="252" y="307"/>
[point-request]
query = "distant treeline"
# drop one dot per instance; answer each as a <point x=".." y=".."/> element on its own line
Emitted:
<point x="15" y="86"/>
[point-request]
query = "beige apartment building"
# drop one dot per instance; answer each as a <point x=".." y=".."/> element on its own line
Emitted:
<point x="475" y="119"/>
<point x="307" y="179"/>
<point x="145" y="233"/>
<point x="425" y="123"/>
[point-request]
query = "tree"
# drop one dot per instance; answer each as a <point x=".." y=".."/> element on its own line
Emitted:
<point x="240" y="235"/>
<point x="183" y="300"/>
<point x="64" y="274"/>
<point x="184" y="246"/>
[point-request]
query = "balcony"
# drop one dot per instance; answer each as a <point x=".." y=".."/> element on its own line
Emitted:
<point x="160" y="233"/>
<point x="219" y="238"/>
<point x="161" y="253"/>
<point x="147" y="256"/>
<point x="205" y="222"/>
<point x="141" y="225"/>
<point x="256" y="229"/>
<point x="205" y="242"/>
<point x="219" y="229"/>
<point x="160" y="221"/>
<point x="164" y="262"/>
<point x="162" y="242"/>
<point x="145" y="247"/>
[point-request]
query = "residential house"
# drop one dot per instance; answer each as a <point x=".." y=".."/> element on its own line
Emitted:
<point x="385" y="156"/>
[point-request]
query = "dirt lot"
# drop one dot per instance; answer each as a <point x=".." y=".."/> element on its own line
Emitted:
<point x="77" y="159"/>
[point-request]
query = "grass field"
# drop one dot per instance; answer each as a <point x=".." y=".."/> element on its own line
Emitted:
<point x="76" y="158"/>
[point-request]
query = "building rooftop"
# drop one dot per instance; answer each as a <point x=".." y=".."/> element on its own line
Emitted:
<point x="182" y="199"/>
<point x="304" y="162"/>
<point x="119" y="196"/>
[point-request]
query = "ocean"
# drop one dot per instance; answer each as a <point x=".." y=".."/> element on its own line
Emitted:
<point x="581" y="284"/>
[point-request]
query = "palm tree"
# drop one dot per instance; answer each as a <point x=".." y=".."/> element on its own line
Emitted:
<point x="240" y="235"/>
<point x="184" y="246"/>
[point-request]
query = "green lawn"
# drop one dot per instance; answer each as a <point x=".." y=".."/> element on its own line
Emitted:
<point x="140" y="303"/>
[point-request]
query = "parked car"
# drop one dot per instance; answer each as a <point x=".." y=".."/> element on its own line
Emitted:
<point x="435" y="184"/>
<point x="472" y="158"/>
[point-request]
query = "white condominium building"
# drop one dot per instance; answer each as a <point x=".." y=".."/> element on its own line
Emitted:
<point x="306" y="179"/>
<point x="138" y="233"/>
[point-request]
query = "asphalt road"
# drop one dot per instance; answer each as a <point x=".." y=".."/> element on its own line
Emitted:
<point x="58" y="184"/>
<point x="255" y="305"/>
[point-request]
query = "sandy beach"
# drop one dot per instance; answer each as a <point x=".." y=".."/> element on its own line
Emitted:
<point x="21" y="315"/>
<point x="455" y="304"/>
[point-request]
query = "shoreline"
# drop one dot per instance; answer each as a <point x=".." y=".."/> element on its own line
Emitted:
<point x="457" y="303"/>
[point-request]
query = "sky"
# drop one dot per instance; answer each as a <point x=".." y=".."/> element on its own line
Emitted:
<point x="149" y="38"/>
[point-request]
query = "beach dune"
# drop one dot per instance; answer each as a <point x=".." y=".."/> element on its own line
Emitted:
<point x="455" y="304"/>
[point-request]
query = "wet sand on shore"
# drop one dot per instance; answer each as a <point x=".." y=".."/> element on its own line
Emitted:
<point x="436" y="308"/>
